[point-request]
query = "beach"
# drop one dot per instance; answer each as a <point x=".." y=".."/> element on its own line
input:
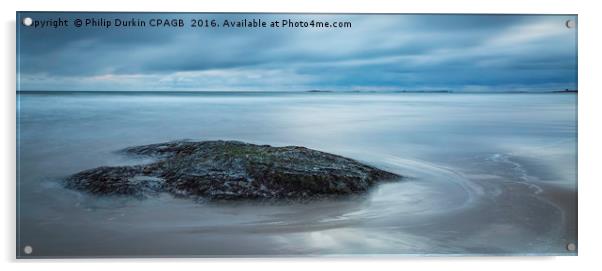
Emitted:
<point x="487" y="173"/>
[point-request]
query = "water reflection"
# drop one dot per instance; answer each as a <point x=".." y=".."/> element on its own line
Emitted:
<point x="484" y="174"/>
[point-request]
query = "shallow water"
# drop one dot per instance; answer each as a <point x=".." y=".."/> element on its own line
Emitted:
<point x="485" y="173"/>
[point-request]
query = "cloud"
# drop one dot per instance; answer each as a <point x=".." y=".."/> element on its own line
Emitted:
<point x="458" y="52"/>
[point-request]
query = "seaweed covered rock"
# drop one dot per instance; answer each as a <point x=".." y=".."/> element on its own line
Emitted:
<point x="229" y="170"/>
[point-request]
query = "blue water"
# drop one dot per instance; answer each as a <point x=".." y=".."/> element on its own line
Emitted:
<point x="486" y="173"/>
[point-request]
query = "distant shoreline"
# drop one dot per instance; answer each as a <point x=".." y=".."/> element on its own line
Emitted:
<point x="290" y="92"/>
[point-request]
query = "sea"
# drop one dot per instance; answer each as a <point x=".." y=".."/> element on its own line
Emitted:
<point x="483" y="174"/>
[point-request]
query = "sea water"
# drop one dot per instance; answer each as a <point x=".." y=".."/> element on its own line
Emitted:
<point x="483" y="173"/>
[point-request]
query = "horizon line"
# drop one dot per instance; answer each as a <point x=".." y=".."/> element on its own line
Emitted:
<point x="303" y="91"/>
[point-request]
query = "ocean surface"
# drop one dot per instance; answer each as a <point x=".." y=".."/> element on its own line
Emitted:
<point x="485" y="174"/>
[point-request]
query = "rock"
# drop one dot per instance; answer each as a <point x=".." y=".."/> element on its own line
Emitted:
<point x="230" y="170"/>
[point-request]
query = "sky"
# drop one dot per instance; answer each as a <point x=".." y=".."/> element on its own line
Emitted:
<point x="377" y="53"/>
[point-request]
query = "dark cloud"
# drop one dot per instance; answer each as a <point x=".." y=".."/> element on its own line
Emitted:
<point x="379" y="51"/>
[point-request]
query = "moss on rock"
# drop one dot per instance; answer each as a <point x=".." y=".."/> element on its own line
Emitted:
<point x="229" y="170"/>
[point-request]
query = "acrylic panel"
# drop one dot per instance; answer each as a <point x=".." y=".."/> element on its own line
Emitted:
<point x="293" y="134"/>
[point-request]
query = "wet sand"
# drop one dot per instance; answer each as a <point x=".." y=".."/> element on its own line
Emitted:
<point x="485" y="174"/>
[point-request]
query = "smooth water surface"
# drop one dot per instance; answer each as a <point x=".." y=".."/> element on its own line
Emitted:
<point x="484" y="173"/>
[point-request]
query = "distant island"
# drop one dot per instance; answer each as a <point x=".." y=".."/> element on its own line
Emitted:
<point x="566" y="91"/>
<point x="424" y="91"/>
<point x="317" y="90"/>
